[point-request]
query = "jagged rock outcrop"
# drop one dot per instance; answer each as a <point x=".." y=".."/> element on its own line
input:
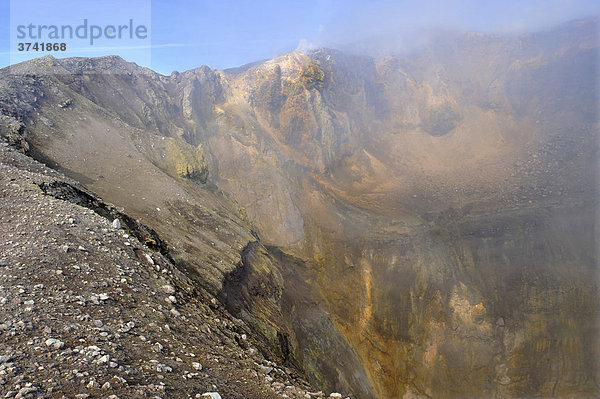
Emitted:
<point x="14" y="132"/>
<point x="185" y="160"/>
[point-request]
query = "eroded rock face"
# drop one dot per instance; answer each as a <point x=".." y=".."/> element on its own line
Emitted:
<point x="468" y="306"/>
<point x="436" y="211"/>
<point x="269" y="291"/>
<point x="14" y="132"/>
<point x="186" y="161"/>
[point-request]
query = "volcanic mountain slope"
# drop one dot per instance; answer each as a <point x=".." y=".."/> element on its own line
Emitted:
<point x="420" y="225"/>
<point x="209" y="235"/>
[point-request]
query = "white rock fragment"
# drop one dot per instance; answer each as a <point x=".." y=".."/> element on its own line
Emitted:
<point x="168" y="289"/>
<point x="127" y="327"/>
<point x="116" y="224"/>
<point x="211" y="395"/>
<point x="149" y="259"/>
<point x="24" y="391"/>
<point x="5" y="358"/>
<point x="265" y="369"/>
<point x="54" y="343"/>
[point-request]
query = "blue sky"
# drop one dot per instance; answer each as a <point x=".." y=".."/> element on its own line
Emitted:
<point x="222" y="34"/>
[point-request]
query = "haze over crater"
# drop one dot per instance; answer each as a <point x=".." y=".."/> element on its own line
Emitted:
<point x="413" y="225"/>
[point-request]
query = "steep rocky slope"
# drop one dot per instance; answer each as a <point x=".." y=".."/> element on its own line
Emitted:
<point x="88" y="310"/>
<point x="420" y="225"/>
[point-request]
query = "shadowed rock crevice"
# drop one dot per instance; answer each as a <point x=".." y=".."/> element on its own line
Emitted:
<point x="268" y="291"/>
<point x="67" y="192"/>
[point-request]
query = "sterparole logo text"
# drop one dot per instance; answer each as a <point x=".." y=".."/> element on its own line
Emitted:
<point x="83" y="31"/>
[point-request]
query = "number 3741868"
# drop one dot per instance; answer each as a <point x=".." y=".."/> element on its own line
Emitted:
<point x="42" y="46"/>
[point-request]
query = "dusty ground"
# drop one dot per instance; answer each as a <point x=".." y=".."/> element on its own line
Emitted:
<point x="86" y="310"/>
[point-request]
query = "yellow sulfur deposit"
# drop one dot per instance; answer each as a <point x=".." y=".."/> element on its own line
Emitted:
<point x="186" y="160"/>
